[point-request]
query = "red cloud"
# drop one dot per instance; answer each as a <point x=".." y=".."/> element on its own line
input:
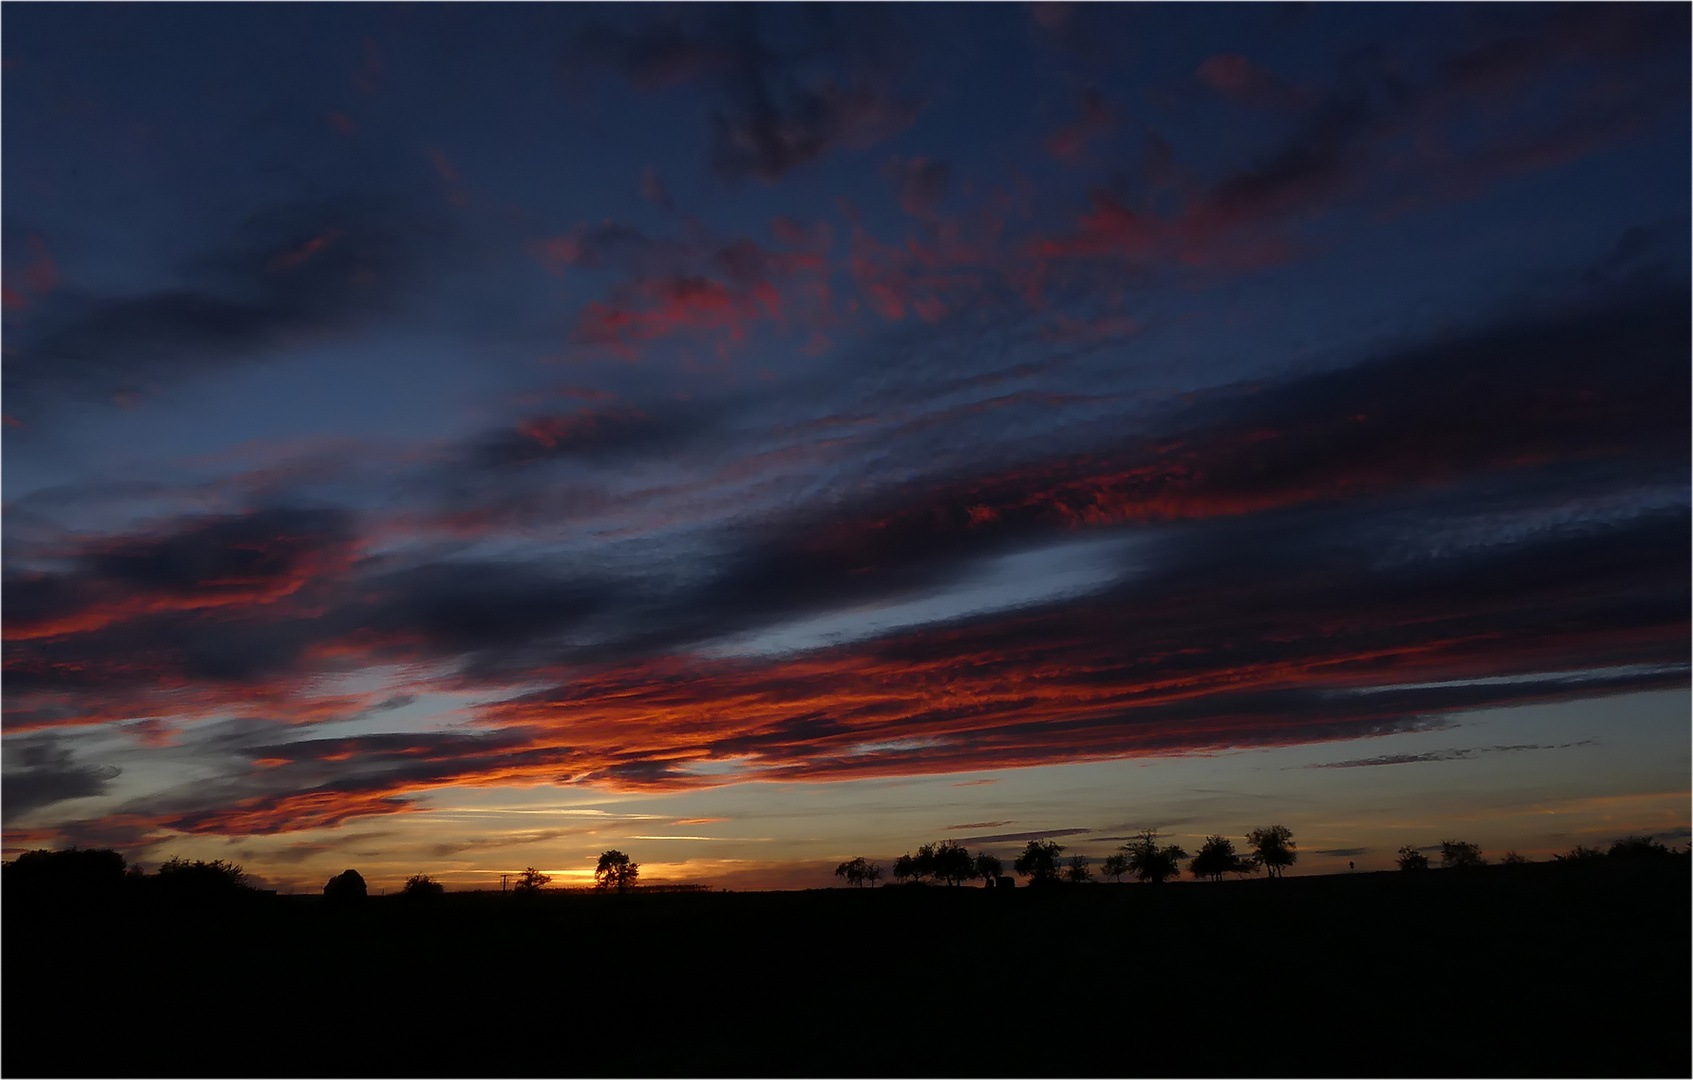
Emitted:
<point x="1237" y="78"/>
<point x="1070" y="142"/>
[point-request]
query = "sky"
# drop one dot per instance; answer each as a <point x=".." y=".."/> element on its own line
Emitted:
<point x="451" y="439"/>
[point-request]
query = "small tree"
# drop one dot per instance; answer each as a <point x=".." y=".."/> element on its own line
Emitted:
<point x="1274" y="848"/>
<point x="1216" y="858"/>
<point x="1115" y="866"/>
<point x="1511" y="858"/>
<point x="1039" y="862"/>
<point x="1077" y="872"/>
<point x="1149" y="861"/>
<point x="1412" y="859"/>
<point x="423" y="887"/>
<point x="988" y="868"/>
<point x="853" y="871"/>
<point x="615" y="871"/>
<point x="1457" y="855"/>
<point x="872" y="873"/>
<point x="530" y="882"/>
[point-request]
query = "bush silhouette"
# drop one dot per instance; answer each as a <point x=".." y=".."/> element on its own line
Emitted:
<point x="1580" y="855"/>
<point x="1512" y="858"/>
<point x="1077" y="872"/>
<point x="531" y="881"/>
<point x="1457" y="855"/>
<point x="199" y="878"/>
<point x="77" y="873"/>
<point x="1412" y="859"/>
<point x="1274" y="848"/>
<point x="423" y="887"/>
<point x="347" y="887"/>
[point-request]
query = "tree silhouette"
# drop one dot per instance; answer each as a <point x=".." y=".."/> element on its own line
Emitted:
<point x="905" y="868"/>
<point x="1115" y="866"/>
<point x="1412" y="859"/>
<point x="952" y="864"/>
<point x="1148" y="861"/>
<point x="924" y="864"/>
<point x="422" y="886"/>
<point x="70" y="874"/>
<point x="873" y="874"/>
<point x="1274" y="847"/>
<point x="615" y="871"/>
<point x="347" y="887"/>
<point x="1637" y="849"/>
<point x="1039" y="862"/>
<point x="1216" y="858"/>
<point x="1077" y="872"/>
<point x="854" y="871"/>
<point x="1457" y="855"/>
<point x="1511" y="858"/>
<point x="988" y="868"/>
<point x="531" y="881"/>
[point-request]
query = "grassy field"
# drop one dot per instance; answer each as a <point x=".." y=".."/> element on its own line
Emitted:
<point x="1539" y="970"/>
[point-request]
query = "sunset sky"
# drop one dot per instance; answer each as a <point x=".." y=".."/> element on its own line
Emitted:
<point x="452" y="439"/>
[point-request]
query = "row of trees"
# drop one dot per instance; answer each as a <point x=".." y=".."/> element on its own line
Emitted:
<point x="1145" y="858"/>
<point x="1461" y="855"/>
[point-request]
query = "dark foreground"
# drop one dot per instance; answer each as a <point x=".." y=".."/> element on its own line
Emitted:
<point x="1537" y="970"/>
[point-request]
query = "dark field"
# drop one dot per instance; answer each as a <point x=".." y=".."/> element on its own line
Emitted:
<point x="1537" y="970"/>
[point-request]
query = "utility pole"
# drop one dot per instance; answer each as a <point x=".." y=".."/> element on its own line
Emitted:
<point x="503" y="880"/>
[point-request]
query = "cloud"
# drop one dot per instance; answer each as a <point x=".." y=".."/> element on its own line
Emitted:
<point x="1242" y="81"/>
<point x="1017" y="838"/>
<point x="1411" y="560"/>
<point x="920" y="183"/>
<point x="293" y="273"/>
<point x="1458" y="754"/>
<point x="783" y="99"/>
<point x="1069" y="143"/>
<point x="41" y="772"/>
